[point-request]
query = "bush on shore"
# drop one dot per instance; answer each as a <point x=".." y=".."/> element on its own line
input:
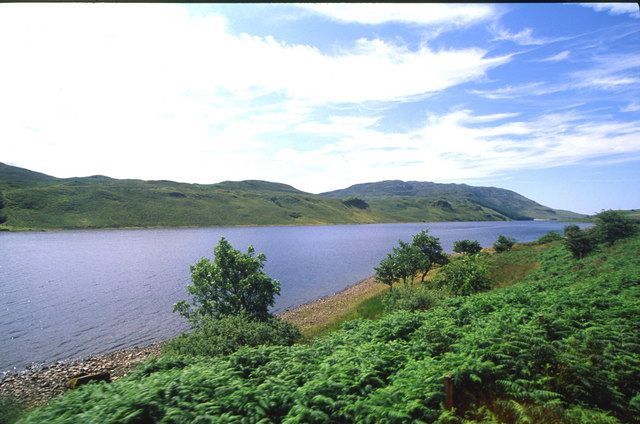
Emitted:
<point x="215" y="337"/>
<point x="503" y="244"/>
<point x="418" y="298"/>
<point x="612" y="226"/>
<point x="551" y="236"/>
<point x="464" y="276"/>
<point x="470" y="247"/>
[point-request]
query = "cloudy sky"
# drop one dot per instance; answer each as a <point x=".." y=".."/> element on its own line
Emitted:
<point x="543" y="99"/>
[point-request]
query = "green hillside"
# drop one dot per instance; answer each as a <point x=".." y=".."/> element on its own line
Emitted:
<point x="31" y="200"/>
<point x="431" y="201"/>
<point x="557" y="345"/>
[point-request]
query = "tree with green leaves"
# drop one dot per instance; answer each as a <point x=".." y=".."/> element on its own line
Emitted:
<point x="233" y="283"/>
<point x="402" y="263"/>
<point x="408" y="259"/>
<point x="612" y="226"/>
<point x="579" y="242"/>
<point x="431" y="250"/>
<point x="385" y="272"/>
<point x="469" y="247"/>
<point x="504" y="243"/>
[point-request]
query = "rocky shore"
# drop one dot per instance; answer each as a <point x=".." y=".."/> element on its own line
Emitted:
<point x="41" y="382"/>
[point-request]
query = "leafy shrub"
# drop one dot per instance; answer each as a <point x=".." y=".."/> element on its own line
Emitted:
<point x="470" y="247"/>
<point x="503" y="244"/>
<point x="226" y="335"/>
<point x="233" y="283"/>
<point x="579" y="242"/>
<point x="464" y="276"/>
<point x="419" y="298"/>
<point x="612" y="226"/>
<point x="551" y="236"/>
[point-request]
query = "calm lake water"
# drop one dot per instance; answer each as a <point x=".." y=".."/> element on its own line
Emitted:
<point x="69" y="294"/>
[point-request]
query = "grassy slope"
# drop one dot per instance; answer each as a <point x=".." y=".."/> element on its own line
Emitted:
<point x="561" y="346"/>
<point x="98" y="202"/>
<point x="38" y="201"/>
<point x="426" y="200"/>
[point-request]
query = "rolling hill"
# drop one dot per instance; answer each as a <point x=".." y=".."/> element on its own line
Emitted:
<point x="32" y="200"/>
<point x="432" y="201"/>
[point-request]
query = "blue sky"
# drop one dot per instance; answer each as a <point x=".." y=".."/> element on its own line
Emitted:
<point x="543" y="99"/>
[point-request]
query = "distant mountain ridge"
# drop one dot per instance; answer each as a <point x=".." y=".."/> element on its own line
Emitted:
<point x="33" y="200"/>
<point x="505" y="202"/>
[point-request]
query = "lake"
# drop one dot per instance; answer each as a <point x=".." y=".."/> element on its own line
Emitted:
<point x="69" y="294"/>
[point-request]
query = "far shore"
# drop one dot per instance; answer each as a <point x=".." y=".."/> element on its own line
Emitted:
<point x="11" y="229"/>
<point x="41" y="382"/>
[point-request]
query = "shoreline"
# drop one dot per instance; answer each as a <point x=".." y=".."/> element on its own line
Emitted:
<point x="10" y="229"/>
<point x="40" y="382"/>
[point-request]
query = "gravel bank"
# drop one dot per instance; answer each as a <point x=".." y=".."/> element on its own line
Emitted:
<point x="41" y="382"/>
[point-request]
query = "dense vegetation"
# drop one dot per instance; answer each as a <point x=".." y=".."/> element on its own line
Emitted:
<point x="215" y="337"/>
<point x="37" y="201"/>
<point x="610" y="226"/>
<point x="560" y="345"/>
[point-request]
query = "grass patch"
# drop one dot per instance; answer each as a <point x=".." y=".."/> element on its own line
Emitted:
<point x="363" y="300"/>
<point x="371" y="308"/>
<point x="507" y="268"/>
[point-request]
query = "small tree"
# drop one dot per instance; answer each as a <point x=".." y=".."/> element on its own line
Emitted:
<point x="409" y="261"/>
<point x="579" y="242"/>
<point x="406" y="260"/>
<point x="431" y="251"/>
<point x="470" y="247"/>
<point x="464" y="276"/>
<point x="233" y="283"/>
<point x="403" y="263"/>
<point x="385" y="272"/>
<point x="503" y="244"/>
<point x="612" y="226"/>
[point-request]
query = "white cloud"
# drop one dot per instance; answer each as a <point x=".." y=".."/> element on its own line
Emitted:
<point x="563" y="55"/>
<point x="419" y="14"/>
<point x="631" y="107"/>
<point x="537" y="88"/>
<point x="631" y="9"/>
<point x="608" y="72"/>
<point x="453" y="147"/>
<point x="152" y="91"/>
<point x="524" y="37"/>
